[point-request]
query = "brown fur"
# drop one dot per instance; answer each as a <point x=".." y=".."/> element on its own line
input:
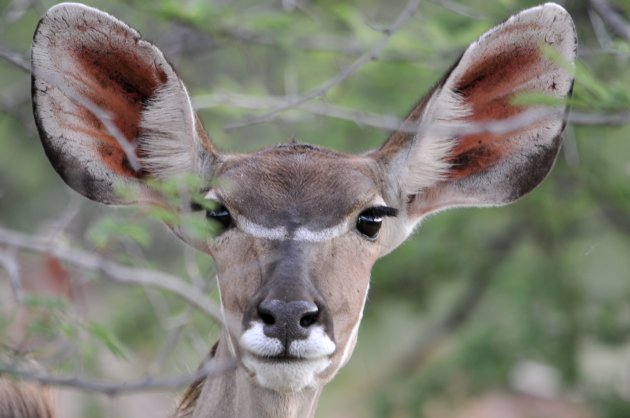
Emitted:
<point x="25" y="400"/>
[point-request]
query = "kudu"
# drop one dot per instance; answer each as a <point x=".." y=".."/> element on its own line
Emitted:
<point x="312" y="222"/>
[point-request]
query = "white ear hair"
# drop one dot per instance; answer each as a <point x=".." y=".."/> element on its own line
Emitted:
<point x="169" y="142"/>
<point x="427" y="163"/>
<point x="459" y="156"/>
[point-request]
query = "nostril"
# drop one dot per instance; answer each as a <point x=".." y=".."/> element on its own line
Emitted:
<point x="266" y="316"/>
<point x="309" y="319"/>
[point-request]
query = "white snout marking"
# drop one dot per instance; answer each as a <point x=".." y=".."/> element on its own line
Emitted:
<point x="286" y="376"/>
<point x="255" y="341"/>
<point x="316" y="345"/>
<point x="310" y="357"/>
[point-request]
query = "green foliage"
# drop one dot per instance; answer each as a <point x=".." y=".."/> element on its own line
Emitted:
<point x="106" y="230"/>
<point x="52" y="319"/>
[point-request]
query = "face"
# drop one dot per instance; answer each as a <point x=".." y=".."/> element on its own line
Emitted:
<point x="294" y="259"/>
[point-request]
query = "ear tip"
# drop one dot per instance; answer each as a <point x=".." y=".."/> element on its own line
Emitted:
<point x="64" y="18"/>
<point x="70" y="7"/>
<point x="549" y="22"/>
<point x="549" y="14"/>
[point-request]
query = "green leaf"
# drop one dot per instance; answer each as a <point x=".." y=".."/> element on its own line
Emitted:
<point x="45" y="302"/>
<point x="531" y="99"/>
<point x="107" y="338"/>
<point x="108" y="230"/>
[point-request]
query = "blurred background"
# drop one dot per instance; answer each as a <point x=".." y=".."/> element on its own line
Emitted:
<point x="522" y="311"/>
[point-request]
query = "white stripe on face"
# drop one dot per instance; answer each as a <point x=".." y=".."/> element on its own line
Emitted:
<point x="279" y="233"/>
<point x="259" y="231"/>
<point x="325" y="234"/>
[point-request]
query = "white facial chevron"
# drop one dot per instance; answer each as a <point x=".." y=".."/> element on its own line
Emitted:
<point x="301" y="233"/>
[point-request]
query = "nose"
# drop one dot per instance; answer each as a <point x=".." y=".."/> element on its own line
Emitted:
<point x="288" y="321"/>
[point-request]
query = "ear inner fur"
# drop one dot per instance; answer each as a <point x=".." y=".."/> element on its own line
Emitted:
<point x="95" y="80"/>
<point x="488" y="168"/>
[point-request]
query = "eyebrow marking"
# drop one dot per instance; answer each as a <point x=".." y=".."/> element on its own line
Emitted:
<point x="305" y="234"/>
<point x="259" y="231"/>
<point x="282" y="233"/>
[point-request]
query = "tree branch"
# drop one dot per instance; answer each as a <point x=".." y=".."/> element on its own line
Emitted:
<point x="369" y="56"/>
<point x="112" y="271"/>
<point x="8" y="261"/>
<point x="15" y="58"/>
<point x="613" y="119"/>
<point x="209" y="368"/>
<point x="612" y="18"/>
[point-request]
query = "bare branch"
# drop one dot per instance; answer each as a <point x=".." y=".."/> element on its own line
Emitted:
<point x="369" y="56"/>
<point x="15" y="58"/>
<point x="385" y="122"/>
<point x="209" y="368"/>
<point x="582" y="118"/>
<point x="8" y="261"/>
<point x="114" y="272"/>
<point x="612" y="18"/>
<point x="389" y="123"/>
<point x="460" y="9"/>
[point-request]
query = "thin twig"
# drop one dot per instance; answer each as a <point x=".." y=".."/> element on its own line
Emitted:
<point x="15" y="58"/>
<point x="62" y="221"/>
<point x="367" y="57"/>
<point x="242" y="101"/>
<point x="392" y="123"/>
<point x="612" y="18"/>
<point x="210" y="368"/>
<point x="582" y="118"/>
<point x="8" y="261"/>
<point x="172" y="339"/>
<point x="460" y="9"/>
<point x="113" y="271"/>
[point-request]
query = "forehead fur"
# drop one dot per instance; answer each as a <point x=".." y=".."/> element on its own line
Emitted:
<point x="297" y="184"/>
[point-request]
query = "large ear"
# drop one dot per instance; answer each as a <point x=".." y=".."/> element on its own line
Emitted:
<point x="109" y="108"/>
<point x="473" y="145"/>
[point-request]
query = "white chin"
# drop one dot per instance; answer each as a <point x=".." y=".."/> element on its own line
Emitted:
<point x="286" y="376"/>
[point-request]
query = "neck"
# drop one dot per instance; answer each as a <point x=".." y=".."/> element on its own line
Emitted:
<point x="236" y="394"/>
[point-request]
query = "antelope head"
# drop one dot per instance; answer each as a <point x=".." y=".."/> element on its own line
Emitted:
<point x="297" y="228"/>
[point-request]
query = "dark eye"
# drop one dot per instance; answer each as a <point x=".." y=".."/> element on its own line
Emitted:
<point x="220" y="215"/>
<point x="215" y="211"/>
<point x="369" y="223"/>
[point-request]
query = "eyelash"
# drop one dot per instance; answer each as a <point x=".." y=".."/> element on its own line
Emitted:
<point x="370" y="220"/>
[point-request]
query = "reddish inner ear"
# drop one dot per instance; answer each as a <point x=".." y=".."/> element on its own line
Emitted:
<point x="488" y="88"/>
<point x="119" y="82"/>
